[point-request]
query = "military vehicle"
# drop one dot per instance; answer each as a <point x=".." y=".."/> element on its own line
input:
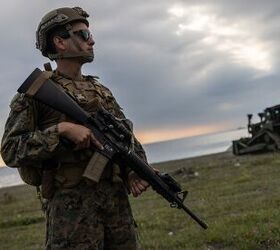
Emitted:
<point x="264" y="135"/>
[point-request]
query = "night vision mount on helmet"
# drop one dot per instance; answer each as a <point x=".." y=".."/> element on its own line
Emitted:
<point x="59" y="18"/>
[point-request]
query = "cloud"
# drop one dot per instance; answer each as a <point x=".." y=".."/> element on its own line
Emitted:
<point x="170" y="64"/>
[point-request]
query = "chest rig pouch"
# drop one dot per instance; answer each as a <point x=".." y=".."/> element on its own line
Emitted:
<point x="90" y="95"/>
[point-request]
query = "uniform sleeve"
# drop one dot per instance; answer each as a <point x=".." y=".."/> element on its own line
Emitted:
<point x="22" y="143"/>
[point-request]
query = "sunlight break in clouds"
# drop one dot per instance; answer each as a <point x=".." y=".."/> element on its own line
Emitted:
<point x="237" y="41"/>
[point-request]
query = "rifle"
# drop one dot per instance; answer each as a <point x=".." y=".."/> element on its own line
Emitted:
<point x="113" y="134"/>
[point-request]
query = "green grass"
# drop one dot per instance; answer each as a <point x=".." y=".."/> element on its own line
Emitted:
<point x="238" y="197"/>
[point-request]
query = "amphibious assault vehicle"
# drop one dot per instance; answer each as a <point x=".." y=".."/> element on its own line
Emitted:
<point x="264" y="135"/>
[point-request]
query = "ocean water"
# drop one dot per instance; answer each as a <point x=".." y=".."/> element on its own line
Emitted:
<point x="162" y="151"/>
<point x="192" y="146"/>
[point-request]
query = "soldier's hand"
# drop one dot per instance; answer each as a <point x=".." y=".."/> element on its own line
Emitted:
<point x="79" y="134"/>
<point x="136" y="185"/>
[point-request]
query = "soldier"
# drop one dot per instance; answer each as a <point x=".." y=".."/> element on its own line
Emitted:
<point x="80" y="214"/>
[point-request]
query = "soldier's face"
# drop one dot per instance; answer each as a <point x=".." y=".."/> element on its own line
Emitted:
<point x="81" y="41"/>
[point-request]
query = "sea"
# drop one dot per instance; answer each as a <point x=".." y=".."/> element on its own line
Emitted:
<point x="163" y="151"/>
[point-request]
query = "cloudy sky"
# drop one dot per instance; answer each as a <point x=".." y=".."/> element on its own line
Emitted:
<point x="178" y="68"/>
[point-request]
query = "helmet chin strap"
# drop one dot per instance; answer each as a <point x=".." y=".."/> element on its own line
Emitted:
<point x="85" y="56"/>
<point x="81" y="54"/>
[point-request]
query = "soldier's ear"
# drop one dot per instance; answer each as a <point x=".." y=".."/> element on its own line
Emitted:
<point x="59" y="43"/>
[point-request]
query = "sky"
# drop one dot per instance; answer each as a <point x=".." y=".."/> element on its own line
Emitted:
<point x="177" y="68"/>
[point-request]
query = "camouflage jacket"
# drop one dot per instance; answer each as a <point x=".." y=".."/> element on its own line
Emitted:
<point x="27" y="139"/>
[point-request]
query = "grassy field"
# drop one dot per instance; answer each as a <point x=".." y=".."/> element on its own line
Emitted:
<point x="238" y="197"/>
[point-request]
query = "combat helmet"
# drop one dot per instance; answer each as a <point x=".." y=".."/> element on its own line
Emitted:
<point x="55" y="18"/>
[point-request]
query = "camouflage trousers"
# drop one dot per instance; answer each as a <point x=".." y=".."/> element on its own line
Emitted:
<point x="96" y="216"/>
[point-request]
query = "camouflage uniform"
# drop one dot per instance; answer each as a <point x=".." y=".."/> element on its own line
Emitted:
<point x="81" y="214"/>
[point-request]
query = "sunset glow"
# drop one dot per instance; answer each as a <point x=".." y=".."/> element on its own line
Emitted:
<point x="151" y="136"/>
